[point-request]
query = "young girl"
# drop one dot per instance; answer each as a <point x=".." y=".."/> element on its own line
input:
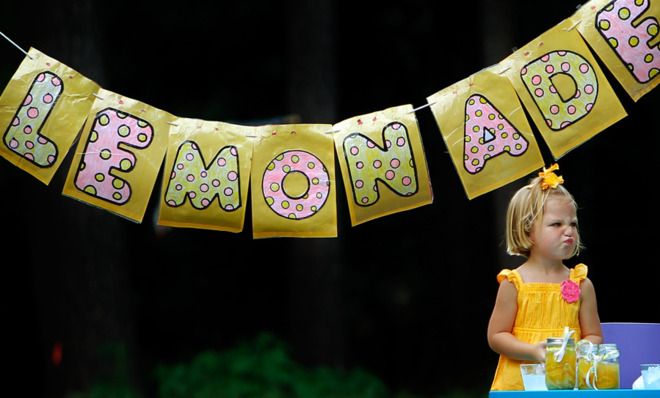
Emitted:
<point x="542" y="296"/>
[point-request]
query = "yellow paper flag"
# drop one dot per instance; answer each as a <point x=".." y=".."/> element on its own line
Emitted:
<point x="207" y="172"/>
<point x="41" y="112"/>
<point x="293" y="182"/>
<point x="563" y="88"/>
<point x="119" y="155"/>
<point x="486" y="131"/>
<point x="383" y="164"/>
<point x="624" y="34"/>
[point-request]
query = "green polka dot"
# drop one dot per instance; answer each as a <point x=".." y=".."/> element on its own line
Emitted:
<point x="117" y="196"/>
<point x="270" y="201"/>
<point x="93" y="136"/>
<point x="286" y="168"/>
<point x="518" y="147"/>
<point x="122" y="115"/>
<point x="142" y="123"/>
<point x="295" y="159"/>
<point x="486" y="156"/>
<point x="82" y="166"/>
<point x="475" y="129"/>
<point x="311" y="165"/>
<point x="124" y="130"/>
<point x="468" y="138"/>
<point x="319" y="195"/>
<point x="117" y="183"/>
<point x="315" y="181"/>
<point x="465" y="157"/>
<point x="481" y="140"/>
<point x="507" y="148"/>
<point x="475" y="162"/>
<point x="474" y="149"/>
<point x="104" y="120"/>
<point x="504" y="135"/>
<point x="653" y="73"/>
<point x="299" y="207"/>
<point x="280" y="156"/>
<point x="314" y="209"/>
<point x="482" y="100"/>
<point x="478" y="113"/>
<point x="633" y="41"/>
<point x="271" y="166"/>
<point x="99" y="177"/>
<point x="624" y="13"/>
<point x="125" y="164"/>
<point x="274" y="187"/>
<point x="614" y="43"/>
<point x="90" y="189"/>
<point x="648" y="58"/>
<point x="639" y="3"/>
<point x="516" y="136"/>
<point x="292" y="216"/>
<point x="652" y="30"/>
<point x="491" y="116"/>
<point x="471" y="101"/>
<point x="285" y="204"/>
<point x="500" y="126"/>
<point x="604" y="24"/>
<point x="105" y="154"/>
<point x="491" y="148"/>
<point x="142" y="137"/>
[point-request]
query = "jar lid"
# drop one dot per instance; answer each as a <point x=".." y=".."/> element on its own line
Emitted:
<point x="558" y="340"/>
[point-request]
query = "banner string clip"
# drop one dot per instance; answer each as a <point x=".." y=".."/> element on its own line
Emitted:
<point x="15" y="45"/>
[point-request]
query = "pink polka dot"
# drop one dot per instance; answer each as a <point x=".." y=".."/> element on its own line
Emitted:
<point x="203" y="174"/>
<point x="28" y="156"/>
<point x="42" y="140"/>
<point x="554" y="109"/>
<point x="588" y="89"/>
<point x="400" y="141"/>
<point x="359" y="183"/>
<point x="561" y="52"/>
<point x="565" y="66"/>
<point x="548" y="122"/>
<point x="578" y="93"/>
<point x="41" y="77"/>
<point x="233" y="151"/>
<point x="205" y="202"/>
<point x="173" y="175"/>
<point x="396" y="126"/>
<point x="371" y="144"/>
<point x="190" y="178"/>
<point x="565" y="124"/>
<point x="538" y="92"/>
<point x="29" y="144"/>
<point x="27" y="129"/>
<point x="178" y="187"/>
<point x="171" y="203"/>
<point x="179" y="166"/>
<point x="13" y="143"/>
<point x="377" y="163"/>
<point x="189" y="157"/>
<point x="192" y="194"/>
<point x="364" y="199"/>
<point x="359" y="165"/>
<point x="215" y="182"/>
<point x="589" y="106"/>
<point x="16" y="121"/>
<point x="229" y="207"/>
<point x="549" y="68"/>
<point x="204" y="188"/>
<point x="221" y="161"/>
<point x="33" y="112"/>
<point x="47" y="99"/>
<point x="232" y="176"/>
<point x="553" y="89"/>
<point x="28" y="100"/>
<point x="389" y="174"/>
<point x="394" y="163"/>
<point x="388" y="144"/>
<point x="406" y="180"/>
<point x="56" y="81"/>
<point x="523" y="71"/>
<point x="228" y="191"/>
<point x="571" y="109"/>
<point x="584" y="68"/>
<point x="536" y="80"/>
<point x="51" y="159"/>
<point x="354" y="150"/>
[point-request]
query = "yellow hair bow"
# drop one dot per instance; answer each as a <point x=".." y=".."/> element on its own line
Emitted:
<point x="549" y="178"/>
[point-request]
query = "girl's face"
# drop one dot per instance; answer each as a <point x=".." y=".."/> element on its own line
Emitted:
<point x="555" y="234"/>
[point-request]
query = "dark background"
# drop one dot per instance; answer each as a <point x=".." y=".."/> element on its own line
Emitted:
<point x="406" y="297"/>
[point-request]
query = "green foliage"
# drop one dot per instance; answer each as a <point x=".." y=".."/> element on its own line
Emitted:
<point x="261" y="368"/>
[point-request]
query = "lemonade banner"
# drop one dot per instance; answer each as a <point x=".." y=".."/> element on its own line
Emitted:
<point x="290" y="168"/>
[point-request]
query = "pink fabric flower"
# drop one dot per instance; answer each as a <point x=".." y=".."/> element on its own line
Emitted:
<point x="570" y="291"/>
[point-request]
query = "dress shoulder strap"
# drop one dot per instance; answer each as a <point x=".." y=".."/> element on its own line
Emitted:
<point x="511" y="275"/>
<point x="579" y="273"/>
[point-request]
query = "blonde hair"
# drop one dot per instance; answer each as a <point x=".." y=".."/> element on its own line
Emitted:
<point x="525" y="208"/>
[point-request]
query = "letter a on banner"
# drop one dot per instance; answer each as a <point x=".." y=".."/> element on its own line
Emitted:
<point x="487" y="135"/>
<point x="293" y="182"/>
<point x="563" y="88"/>
<point x="624" y="34"/>
<point x="119" y="155"/>
<point x="383" y="163"/>
<point x="207" y="172"/>
<point x="41" y="112"/>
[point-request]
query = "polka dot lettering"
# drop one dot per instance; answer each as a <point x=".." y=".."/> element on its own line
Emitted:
<point x="393" y="166"/>
<point x="219" y="178"/>
<point x="30" y="118"/>
<point x="631" y="43"/>
<point x="560" y="111"/>
<point x="103" y="158"/>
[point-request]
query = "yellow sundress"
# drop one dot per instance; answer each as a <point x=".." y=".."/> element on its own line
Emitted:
<point x="542" y="313"/>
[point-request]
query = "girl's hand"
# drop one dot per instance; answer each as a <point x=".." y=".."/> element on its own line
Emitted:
<point x="538" y="352"/>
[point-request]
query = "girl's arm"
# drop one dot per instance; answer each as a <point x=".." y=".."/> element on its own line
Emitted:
<point x="500" y="326"/>
<point x="589" y="319"/>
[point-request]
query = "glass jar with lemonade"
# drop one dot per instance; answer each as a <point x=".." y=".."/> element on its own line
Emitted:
<point x="560" y="369"/>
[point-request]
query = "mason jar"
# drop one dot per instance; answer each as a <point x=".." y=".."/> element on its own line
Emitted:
<point x="607" y="371"/>
<point x="560" y="373"/>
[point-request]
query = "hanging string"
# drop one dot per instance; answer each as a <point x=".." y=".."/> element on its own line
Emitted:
<point x="15" y="45"/>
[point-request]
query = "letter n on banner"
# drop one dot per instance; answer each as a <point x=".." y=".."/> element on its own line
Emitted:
<point x="41" y="112"/>
<point x="624" y="34"/>
<point x="293" y="182"/>
<point x="119" y="155"/>
<point x="563" y="88"/>
<point x="207" y="172"/>
<point x="488" y="137"/>
<point x="383" y="163"/>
